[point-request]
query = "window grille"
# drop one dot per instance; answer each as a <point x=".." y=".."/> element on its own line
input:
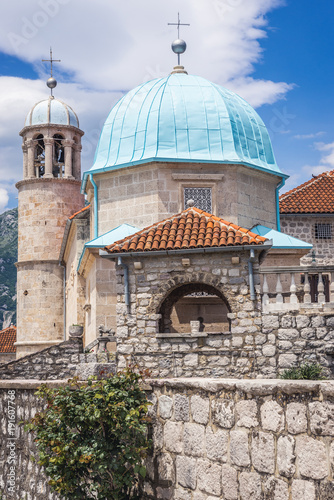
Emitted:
<point x="323" y="231"/>
<point x="202" y="198"/>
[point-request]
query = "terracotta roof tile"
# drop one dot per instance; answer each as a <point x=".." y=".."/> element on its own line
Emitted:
<point x="7" y="339"/>
<point x="191" y="228"/>
<point x="79" y="212"/>
<point x="314" y="196"/>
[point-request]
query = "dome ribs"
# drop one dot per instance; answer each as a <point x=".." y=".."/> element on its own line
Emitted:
<point x="189" y="229"/>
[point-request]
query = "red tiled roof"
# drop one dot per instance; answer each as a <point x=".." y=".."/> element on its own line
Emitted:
<point x="79" y="212"/>
<point x="315" y="196"/>
<point x="189" y="229"/>
<point x="7" y="339"/>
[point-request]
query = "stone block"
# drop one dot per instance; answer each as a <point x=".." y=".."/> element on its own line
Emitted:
<point x="296" y="418"/>
<point x="246" y="412"/>
<point x="165" y="407"/>
<point x="191" y="360"/>
<point x="239" y="449"/>
<point x="276" y="489"/>
<point x="303" y="490"/>
<point x="181" y="494"/>
<point x="302" y="321"/>
<point x="173" y="436"/>
<point x="311" y="458"/>
<point x="229" y="483"/>
<point x="181" y="408"/>
<point x="322" y="418"/>
<point x="209" y="477"/>
<point x="307" y="333"/>
<point x="317" y="321"/>
<point x="286" y="456"/>
<point x="166" y="470"/>
<point x="260" y="339"/>
<point x="287" y="360"/>
<point x="270" y="322"/>
<point x="194" y="440"/>
<point x="250" y="486"/>
<point x="287" y="334"/>
<point x="165" y="493"/>
<point x="288" y="322"/>
<point x="272" y="416"/>
<point x="216" y="444"/>
<point x="223" y="413"/>
<point x="263" y="452"/>
<point x="330" y="322"/>
<point x="269" y="350"/>
<point x="186" y="472"/>
<point x="200" y="408"/>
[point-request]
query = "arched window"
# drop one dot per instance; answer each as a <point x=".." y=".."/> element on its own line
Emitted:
<point x="194" y="302"/>
<point x="39" y="156"/>
<point x="59" y="159"/>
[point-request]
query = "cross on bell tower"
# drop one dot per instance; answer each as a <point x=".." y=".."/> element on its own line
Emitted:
<point x="51" y="82"/>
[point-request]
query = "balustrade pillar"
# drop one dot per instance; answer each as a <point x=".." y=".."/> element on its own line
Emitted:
<point x="279" y="289"/>
<point x="321" y="290"/>
<point x="307" y="289"/>
<point x="293" y="289"/>
<point x="265" y="297"/>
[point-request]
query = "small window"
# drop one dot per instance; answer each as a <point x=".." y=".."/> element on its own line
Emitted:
<point x="202" y="198"/>
<point x="323" y="231"/>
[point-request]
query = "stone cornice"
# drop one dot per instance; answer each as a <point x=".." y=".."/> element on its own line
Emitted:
<point x="43" y="180"/>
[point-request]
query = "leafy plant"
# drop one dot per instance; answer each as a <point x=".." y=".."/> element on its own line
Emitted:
<point x="92" y="437"/>
<point x="307" y="371"/>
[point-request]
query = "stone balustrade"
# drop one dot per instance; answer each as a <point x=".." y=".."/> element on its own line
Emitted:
<point x="293" y="288"/>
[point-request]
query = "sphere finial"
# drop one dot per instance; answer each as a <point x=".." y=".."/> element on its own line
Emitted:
<point x="51" y="82"/>
<point x="179" y="46"/>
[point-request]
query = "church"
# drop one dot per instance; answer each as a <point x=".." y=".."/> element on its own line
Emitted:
<point x="171" y="243"/>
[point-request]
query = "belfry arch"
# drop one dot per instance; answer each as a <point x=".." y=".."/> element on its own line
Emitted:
<point x="194" y="302"/>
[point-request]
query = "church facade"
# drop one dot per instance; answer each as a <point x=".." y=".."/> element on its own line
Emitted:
<point x="167" y="242"/>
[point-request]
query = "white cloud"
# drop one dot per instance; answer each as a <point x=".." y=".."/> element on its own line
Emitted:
<point x="309" y="136"/>
<point x="3" y="199"/>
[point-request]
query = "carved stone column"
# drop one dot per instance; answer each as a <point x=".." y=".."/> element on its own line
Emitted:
<point x="68" y="144"/>
<point x="25" y="160"/>
<point x="77" y="161"/>
<point x="31" y="143"/>
<point x="48" y="143"/>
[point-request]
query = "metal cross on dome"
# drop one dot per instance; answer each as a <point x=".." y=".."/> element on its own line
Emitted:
<point x="178" y="46"/>
<point x="51" y="82"/>
<point x="178" y="24"/>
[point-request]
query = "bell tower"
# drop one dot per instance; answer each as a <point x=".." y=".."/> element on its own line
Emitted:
<point x="47" y="196"/>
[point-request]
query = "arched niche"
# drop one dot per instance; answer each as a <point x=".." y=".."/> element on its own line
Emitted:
<point x="58" y="164"/>
<point x="194" y="302"/>
<point x="39" y="155"/>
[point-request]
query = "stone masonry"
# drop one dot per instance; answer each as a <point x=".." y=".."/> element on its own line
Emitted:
<point x="241" y="440"/>
<point x="256" y="345"/>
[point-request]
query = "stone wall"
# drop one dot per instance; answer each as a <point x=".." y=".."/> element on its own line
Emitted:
<point x="257" y="345"/>
<point x="54" y="363"/>
<point x="241" y="440"/>
<point x="142" y="195"/>
<point x="303" y="228"/>
<point x="212" y="440"/>
<point x="18" y="457"/>
<point x="224" y="353"/>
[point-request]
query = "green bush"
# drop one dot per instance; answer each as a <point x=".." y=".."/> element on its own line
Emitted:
<point x="92" y="437"/>
<point x="307" y="371"/>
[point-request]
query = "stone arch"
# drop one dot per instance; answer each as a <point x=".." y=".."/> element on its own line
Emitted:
<point x="194" y="301"/>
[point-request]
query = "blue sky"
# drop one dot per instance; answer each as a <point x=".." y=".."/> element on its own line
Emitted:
<point x="276" y="54"/>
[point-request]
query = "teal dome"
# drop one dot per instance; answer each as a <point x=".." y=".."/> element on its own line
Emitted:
<point x="183" y="118"/>
<point x="51" y="111"/>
